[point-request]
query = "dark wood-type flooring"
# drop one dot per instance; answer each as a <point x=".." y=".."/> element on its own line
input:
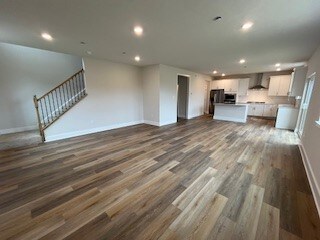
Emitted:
<point x="198" y="179"/>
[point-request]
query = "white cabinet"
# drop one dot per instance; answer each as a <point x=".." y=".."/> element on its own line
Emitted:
<point x="270" y="110"/>
<point x="287" y="118"/>
<point x="258" y="110"/>
<point x="284" y="85"/>
<point x="243" y="86"/>
<point x="274" y="85"/>
<point x="279" y="85"/>
<point x="262" y="110"/>
<point x="239" y="86"/>
<point x="230" y="85"/>
<point x="250" y="110"/>
<point x="255" y="110"/>
<point x="217" y="84"/>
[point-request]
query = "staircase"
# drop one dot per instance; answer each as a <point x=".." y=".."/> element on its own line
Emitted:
<point x="52" y="105"/>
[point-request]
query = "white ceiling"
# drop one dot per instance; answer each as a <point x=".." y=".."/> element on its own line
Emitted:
<point x="180" y="33"/>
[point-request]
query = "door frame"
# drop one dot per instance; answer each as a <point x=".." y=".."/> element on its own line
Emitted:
<point x="207" y="97"/>
<point x="304" y="106"/>
<point x="187" y="94"/>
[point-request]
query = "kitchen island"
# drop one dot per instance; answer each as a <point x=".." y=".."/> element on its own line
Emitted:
<point x="231" y="112"/>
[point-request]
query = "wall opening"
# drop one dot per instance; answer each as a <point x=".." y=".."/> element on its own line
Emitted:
<point x="182" y="99"/>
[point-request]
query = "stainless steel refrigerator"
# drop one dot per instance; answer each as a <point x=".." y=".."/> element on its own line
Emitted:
<point x="216" y="96"/>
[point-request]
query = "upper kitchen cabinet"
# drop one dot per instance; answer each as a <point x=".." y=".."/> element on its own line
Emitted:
<point x="298" y="80"/>
<point x="243" y="86"/>
<point x="239" y="86"/>
<point x="231" y="85"/>
<point x="274" y="85"/>
<point x="217" y="84"/>
<point x="279" y="85"/>
<point x="284" y="86"/>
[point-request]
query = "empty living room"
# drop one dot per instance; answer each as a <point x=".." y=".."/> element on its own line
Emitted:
<point x="145" y="119"/>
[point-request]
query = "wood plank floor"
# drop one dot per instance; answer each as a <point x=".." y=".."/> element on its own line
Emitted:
<point x="198" y="179"/>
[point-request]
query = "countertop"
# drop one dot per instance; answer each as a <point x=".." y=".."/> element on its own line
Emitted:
<point x="259" y="103"/>
<point x="232" y="105"/>
<point x="287" y="106"/>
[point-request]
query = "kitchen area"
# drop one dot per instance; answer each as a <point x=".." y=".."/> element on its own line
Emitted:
<point x="271" y="95"/>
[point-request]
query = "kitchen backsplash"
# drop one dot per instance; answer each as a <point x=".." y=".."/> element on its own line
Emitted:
<point x="262" y="96"/>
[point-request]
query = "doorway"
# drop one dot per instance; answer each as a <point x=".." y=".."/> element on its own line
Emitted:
<point x="182" y="99"/>
<point x="307" y="92"/>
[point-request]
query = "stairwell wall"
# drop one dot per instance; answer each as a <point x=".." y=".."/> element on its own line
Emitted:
<point x="115" y="99"/>
<point x="26" y="71"/>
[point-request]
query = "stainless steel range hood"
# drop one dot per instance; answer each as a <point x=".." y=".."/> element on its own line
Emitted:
<point x="258" y="86"/>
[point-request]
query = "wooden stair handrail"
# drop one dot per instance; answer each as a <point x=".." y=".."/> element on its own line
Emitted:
<point x="60" y="84"/>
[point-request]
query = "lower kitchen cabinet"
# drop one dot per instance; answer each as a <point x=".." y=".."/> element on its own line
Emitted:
<point x="255" y="110"/>
<point x="262" y="110"/>
<point x="270" y="110"/>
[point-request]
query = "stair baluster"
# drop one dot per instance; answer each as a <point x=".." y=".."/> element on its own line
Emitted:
<point x="52" y="105"/>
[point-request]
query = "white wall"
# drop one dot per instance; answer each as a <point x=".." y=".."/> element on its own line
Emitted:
<point x="115" y="99"/>
<point x="262" y="96"/>
<point x="160" y="94"/>
<point x="197" y="95"/>
<point x="168" y="93"/>
<point x="151" y="94"/>
<point x="118" y="94"/>
<point x="311" y="133"/>
<point x="25" y="72"/>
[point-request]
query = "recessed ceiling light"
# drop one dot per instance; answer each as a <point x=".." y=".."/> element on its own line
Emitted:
<point x="277" y="64"/>
<point x="242" y="61"/>
<point x="223" y="74"/>
<point x="89" y="52"/>
<point x="215" y="72"/>
<point x="278" y="69"/>
<point x="137" y="58"/>
<point x="47" y="36"/>
<point x="247" y="25"/>
<point x="138" y="30"/>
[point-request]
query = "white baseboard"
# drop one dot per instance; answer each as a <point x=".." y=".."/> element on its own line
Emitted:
<point x="100" y="129"/>
<point x="194" y="116"/>
<point x="167" y="123"/>
<point x="312" y="180"/>
<point x="89" y="131"/>
<point x="157" y="123"/>
<point x="151" y="123"/>
<point x="19" y="129"/>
